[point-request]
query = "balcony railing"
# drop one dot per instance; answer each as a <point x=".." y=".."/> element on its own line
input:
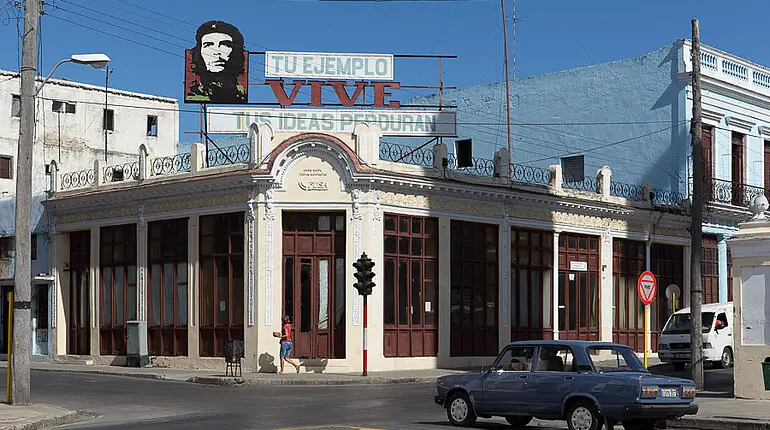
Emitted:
<point x="729" y="68"/>
<point x="731" y="193"/>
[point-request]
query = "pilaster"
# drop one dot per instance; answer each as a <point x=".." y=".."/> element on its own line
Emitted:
<point x="444" y="288"/>
<point x="606" y="294"/>
<point x="504" y="238"/>
<point x="722" y="262"/>
<point x="555" y="295"/>
<point x="193" y="274"/>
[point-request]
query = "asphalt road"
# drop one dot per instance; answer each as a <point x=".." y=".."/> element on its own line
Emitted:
<point x="131" y="403"/>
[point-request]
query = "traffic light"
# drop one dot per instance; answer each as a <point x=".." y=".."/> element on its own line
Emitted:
<point x="364" y="275"/>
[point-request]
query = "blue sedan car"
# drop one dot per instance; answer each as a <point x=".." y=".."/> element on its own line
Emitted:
<point x="588" y="384"/>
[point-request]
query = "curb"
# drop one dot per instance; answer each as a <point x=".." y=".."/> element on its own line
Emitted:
<point x="224" y="381"/>
<point x="240" y="381"/>
<point x="68" y="418"/>
<point x="718" y="424"/>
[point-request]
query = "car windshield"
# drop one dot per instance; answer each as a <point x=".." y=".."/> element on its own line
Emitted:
<point x="607" y="359"/>
<point x="681" y="323"/>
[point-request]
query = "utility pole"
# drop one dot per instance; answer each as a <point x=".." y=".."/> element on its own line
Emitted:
<point x="507" y="88"/>
<point x="20" y="393"/>
<point x="696" y="229"/>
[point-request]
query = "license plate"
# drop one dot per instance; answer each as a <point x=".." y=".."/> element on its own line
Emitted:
<point x="668" y="392"/>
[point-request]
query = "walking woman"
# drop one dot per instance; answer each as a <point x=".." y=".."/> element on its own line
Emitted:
<point x="286" y="344"/>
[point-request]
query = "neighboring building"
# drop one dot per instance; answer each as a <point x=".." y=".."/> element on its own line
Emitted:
<point x="464" y="262"/>
<point x="634" y="115"/>
<point x="72" y="131"/>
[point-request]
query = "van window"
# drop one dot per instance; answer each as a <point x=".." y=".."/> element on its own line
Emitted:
<point x="681" y="323"/>
<point x="722" y="318"/>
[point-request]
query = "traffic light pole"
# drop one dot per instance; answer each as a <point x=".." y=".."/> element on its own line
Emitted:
<point x="366" y="319"/>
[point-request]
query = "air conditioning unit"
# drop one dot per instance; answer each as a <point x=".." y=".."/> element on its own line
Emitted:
<point x="136" y="344"/>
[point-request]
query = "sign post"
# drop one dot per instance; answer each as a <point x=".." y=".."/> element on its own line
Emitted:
<point x="647" y="287"/>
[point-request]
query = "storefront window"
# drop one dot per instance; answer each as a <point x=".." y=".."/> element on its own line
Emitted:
<point x="167" y="287"/>
<point x="531" y="276"/>
<point x="410" y="294"/>
<point x="221" y="292"/>
<point x="118" y="286"/>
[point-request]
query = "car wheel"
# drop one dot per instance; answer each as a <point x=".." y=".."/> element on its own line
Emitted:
<point x="518" y="421"/>
<point x="678" y="366"/>
<point x="727" y="358"/>
<point x="639" y="425"/>
<point x="460" y="410"/>
<point x="583" y="416"/>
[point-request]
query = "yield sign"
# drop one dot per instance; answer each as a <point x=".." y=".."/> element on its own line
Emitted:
<point x="647" y="287"/>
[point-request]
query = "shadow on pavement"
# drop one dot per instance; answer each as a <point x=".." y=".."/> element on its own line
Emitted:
<point x="718" y="382"/>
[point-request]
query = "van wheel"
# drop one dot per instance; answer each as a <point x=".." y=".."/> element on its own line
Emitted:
<point x="460" y="410"/>
<point x="727" y="358"/>
<point x="678" y="366"/>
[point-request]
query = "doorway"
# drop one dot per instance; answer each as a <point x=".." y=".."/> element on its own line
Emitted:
<point x="314" y="282"/>
<point x="578" y="287"/>
<point x="79" y="314"/>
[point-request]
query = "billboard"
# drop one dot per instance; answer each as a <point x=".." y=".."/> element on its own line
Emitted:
<point x="217" y="68"/>
<point x="320" y="65"/>
<point x="390" y="122"/>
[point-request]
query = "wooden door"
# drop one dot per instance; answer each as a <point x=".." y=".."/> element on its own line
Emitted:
<point x="79" y="309"/>
<point x="579" y="291"/>
<point x="314" y="283"/>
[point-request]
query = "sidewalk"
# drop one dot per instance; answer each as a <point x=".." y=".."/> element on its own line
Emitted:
<point x="726" y="413"/>
<point x="36" y="417"/>
<point x="213" y="377"/>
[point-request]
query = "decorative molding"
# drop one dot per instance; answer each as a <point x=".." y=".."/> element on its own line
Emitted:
<point x="711" y="115"/>
<point x="378" y="256"/>
<point x="356" y="215"/>
<point x="269" y="220"/>
<point x="377" y="206"/>
<point x="250" y="217"/>
<point x="83" y="215"/>
<point x="142" y="287"/>
<point x="322" y="150"/>
<point x="764" y="130"/>
<point x="740" y="124"/>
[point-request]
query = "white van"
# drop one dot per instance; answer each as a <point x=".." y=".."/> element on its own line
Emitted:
<point x="674" y="343"/>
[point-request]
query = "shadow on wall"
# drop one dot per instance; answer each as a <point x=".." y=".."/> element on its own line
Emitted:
<point x="269" y="364"/>
<point x="266" y="364"/>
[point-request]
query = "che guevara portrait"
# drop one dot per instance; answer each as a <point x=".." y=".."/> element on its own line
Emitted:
<point x="216" y="69"/>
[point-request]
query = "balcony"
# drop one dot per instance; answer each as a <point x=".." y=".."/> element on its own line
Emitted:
<point x="728" y="68"/>
<point x="731" y="193"/>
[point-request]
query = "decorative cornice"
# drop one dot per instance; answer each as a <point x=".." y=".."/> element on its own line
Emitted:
<point x="739" y="123"/>
<point x="764" y="130"/>
<point x="712" y="115"/>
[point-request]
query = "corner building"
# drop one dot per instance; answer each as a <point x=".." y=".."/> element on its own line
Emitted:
<point x="220" y="245"/>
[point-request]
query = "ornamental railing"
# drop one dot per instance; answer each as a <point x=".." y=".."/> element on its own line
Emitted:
<point x="83" y="178"/>
<point x="731" y="193"/>
<point x="629" y="191"/>
<point x="480" y="166"/>
<point x="530" y="175"/>
<point x="122" y="172"/>
<point x="585" y="183"/>
<point x="406" y="154"/>
<point x="229" y="155"/>
<point x="168" y="165"/>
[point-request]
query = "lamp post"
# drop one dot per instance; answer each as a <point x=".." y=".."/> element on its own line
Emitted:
<point x="19" y="354"/>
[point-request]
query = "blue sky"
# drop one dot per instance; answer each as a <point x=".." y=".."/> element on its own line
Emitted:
<point x="552" y="35"/>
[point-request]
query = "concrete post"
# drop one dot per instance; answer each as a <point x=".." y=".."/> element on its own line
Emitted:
<point x="53" y="186"/>
<point x="196" y="158"/>
<point x="603" y="181"/>
<point x="440" y="156"/>
<point x="556" y="177"/>
<point x="143" y="162"/>
<point x="98" y="173"/>
<point x="502" y="160"/>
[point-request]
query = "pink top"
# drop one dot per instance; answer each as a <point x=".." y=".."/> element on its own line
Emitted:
<point x="286" y="335"/>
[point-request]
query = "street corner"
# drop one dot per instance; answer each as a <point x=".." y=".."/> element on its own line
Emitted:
<point x="38" y="416"/>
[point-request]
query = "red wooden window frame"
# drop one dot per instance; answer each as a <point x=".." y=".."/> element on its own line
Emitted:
<point x="117" y="280"/>
<point x="729" y="275"/>
<point x="167" y="284"/>
<point x="710" y="269"/>
<point x="531" y="256"/>
<point x="79" y="309"/>
<point x="707" y="144"/>
<point x="475" y="289"/>
<point x="667" y="263"/>
<point x="410" y="275"/>
<point x="221" y="253"/>
<point x="6" y="167"/>
<point x="738" y="150"/>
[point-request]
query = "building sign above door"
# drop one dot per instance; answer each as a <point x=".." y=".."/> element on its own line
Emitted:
<point x="390" y="122"/>
<point x="319" y="65"/>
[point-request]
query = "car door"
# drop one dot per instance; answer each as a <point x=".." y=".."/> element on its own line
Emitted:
<point x="552" y="380"/>
<point x="505" y="385"/>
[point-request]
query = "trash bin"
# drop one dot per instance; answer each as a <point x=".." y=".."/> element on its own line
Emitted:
<point x="766" y="373"/>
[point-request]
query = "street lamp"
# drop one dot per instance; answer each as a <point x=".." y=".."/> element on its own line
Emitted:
<point x="97" y="61"/>
<point x="18" y="367"/>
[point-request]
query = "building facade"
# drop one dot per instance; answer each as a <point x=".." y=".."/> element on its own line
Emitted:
<point x="635" y="115"/>
<point x="223" y="244"/>
<point x="74" y="128"/>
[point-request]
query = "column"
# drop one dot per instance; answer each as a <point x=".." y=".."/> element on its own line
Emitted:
<point x="141" y="287"/>
<point x="504" y="295"/>
<point x="94" y="288"/>
<point x="250" y="332"/>
<point x="193" y="275"/>
<point x="648" y="264"/>
<point x="555" y="294"/>
<point x="444" y="289"/>
<point x="606" y="298"/>
<point x="722" y="250"/>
